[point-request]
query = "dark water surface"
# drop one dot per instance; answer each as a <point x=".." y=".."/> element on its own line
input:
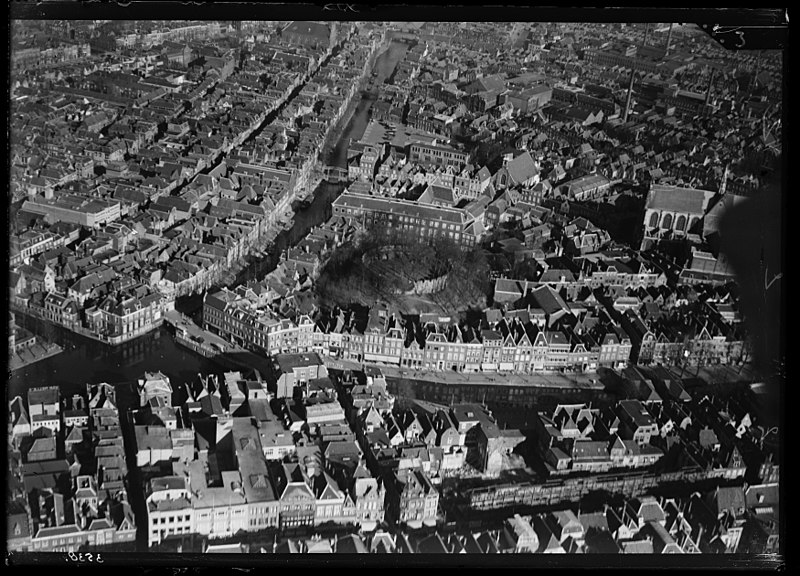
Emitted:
<point x="86" y="361"/>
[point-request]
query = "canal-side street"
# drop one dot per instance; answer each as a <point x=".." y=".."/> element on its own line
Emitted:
<point x="580" y="381"/>
<point x="86" y="361"/>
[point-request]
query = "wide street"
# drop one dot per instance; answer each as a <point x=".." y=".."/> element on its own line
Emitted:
<point x="584" y="381"/>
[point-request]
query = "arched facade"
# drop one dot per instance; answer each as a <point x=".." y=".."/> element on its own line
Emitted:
<point x="678" y="222"/>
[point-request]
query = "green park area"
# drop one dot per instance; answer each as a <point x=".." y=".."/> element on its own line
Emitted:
<point x="409" y="275"/>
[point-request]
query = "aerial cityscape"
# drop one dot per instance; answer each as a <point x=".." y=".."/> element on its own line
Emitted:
<point x="292" y="287"/>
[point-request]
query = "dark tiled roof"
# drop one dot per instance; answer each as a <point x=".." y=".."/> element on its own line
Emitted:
<point x="675" y="199"/>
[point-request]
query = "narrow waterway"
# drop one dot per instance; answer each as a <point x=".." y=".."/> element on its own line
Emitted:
<point x="319" y="209"/>
<point x="86" y="361"/>
<point x="384" y="68"/>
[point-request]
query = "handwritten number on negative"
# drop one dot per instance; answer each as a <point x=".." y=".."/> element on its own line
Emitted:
<point x="84" y="557"/>
<point x="718" y="30"/>
<point x="340" y="7"/>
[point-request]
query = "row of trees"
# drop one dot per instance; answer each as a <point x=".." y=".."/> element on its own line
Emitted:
<point x="381" y="265"/>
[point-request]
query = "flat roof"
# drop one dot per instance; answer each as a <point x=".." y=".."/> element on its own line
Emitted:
<point x="44" y="395"/>
<point x="288" y="362"/>
<point x="252" y="463"/>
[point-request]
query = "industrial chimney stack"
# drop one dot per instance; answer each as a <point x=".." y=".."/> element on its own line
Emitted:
<point x="669" y="39"/>
<point x="710" y="84"/>
<point x="633" y="73"/>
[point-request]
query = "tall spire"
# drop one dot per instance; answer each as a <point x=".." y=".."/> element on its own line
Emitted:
<point x="633" y="74"/>
<point x="754" y="77"/>
<point x="710" y="86"/>
<point x="669" y="39"/>
<point x="630" y="93"/>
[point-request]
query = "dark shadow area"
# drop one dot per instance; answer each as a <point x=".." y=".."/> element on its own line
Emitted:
<point x="751" y="236"/>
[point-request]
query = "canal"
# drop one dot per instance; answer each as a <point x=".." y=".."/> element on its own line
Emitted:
<point x="86" y="361"/>
<point x="319" y="209"/>
<point x="384" y="68"/>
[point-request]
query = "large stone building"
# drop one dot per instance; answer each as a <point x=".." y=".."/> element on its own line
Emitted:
<point x="424" y="221"/>
<point x="673" y="212"/>
<point x="309" y="34"/>
<point x="89" y="212"/>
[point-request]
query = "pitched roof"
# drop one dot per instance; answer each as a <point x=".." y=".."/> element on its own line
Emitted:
<point x="675" y="199"/>
<point x="729" y="498"/>
<point x="595" y="520"/>
<point x="637" y="547"/>
<point x="315" y="29"/>
<point x="762" y="494"/>
<point x="589" y="450"/>
<point x="522" y="168"/>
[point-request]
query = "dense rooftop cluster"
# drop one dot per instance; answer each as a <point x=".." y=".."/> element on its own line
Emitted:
<point x="149" y="178"/>
<point x="586" y="170"/>
<point x="247" y="458"/>
<point x="68" y="476"/>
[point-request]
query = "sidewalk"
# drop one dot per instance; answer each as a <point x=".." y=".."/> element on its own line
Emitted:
<point x="207" y="338"/>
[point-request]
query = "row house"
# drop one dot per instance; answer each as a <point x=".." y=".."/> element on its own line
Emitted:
<point x="364" y="165"/>
<point x="240" y="319"/>
<point x="369" y="495"/>
<point x="467" y="183"/>
<point x="598" y="271"/>
<point x="31" y="243"/>
<point x="413" y="500"/>
<point x="61" y="310"/>
<point x="513" y="346"/>
<point x="297" y="370"/>
<point x="614" y="347"/>
<point x="384" y="346"/>
<point x="438" y="156"/>
<point x="129" y="318"/>
<point x="654" y="341"/>
<point x="184" y="503"/>
<point x="577" y="439"/>
<point x="311" y="497"/>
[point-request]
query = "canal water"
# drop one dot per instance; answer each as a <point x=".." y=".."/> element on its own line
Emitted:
<point x="85" y="361"/>
<point x="319" y="210"/>
<point x="384" y="68"/>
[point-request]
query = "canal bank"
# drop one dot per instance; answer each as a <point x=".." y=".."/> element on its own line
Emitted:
<point x="319" y="210"/>
<point x="354" y="129"/>
<point x="31" y="354"/>
<point x="87" y="361"/>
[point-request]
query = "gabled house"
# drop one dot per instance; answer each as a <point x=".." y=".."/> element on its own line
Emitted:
<point x="548" y="542"/>
<point x="297" y="499"/>
<point x="564" y="524"/>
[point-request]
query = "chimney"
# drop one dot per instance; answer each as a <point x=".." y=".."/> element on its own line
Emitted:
<point x="669" y="39"/>
<point x="710" y="84"/>
<point x="630" y="92"/>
